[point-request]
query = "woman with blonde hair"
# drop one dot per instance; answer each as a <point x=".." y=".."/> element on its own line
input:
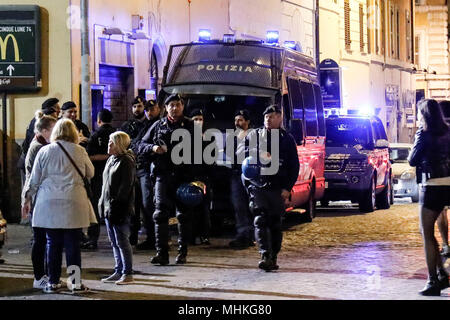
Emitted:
<point x="43" y="130"/>
<point x="60" y="201"/>
<point x="116" y="204"/>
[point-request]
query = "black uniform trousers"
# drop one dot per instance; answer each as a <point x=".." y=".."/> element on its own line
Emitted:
<point x="166" y="186"/>
<point x="144" y="203"/>
<point x="267" y="205"/>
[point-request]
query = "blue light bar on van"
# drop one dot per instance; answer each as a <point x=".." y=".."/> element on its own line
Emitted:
<point x="290" y="45"/>
<point x="272" y="37"/>
<point x="204" y="35"/>
<point x="229" y="38"/>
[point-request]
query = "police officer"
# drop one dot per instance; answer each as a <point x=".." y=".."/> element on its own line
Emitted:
<point x="97" y="149"/>
<point x="269" y="193"/>
<point x="239" y="197"/>
<point x="168" y="177"/>
<point x="145" y="185"/>
<point x="134" y="126"/>
<point x="202" y="226"/>
<point x="69" y="111"/>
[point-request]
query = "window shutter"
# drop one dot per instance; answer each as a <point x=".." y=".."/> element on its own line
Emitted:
<point x="347" y="24"/>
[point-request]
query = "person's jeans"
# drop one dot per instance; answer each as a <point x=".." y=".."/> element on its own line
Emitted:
<point x="242" y="214"/>
<point x="38" y="252"/>
<point x="57" y="240"/>
<point x="123" y="255"/>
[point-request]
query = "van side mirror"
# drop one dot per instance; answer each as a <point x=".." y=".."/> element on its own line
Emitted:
<point x="381" y="144"/>
<point x="297" y="131"/>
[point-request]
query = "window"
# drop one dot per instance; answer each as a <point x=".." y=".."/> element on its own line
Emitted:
<point x="397" y="34"/>
<point x="408" y="36"/>
<point x="391" y="32"/>
<point x="295" y="98"/>
<point x="319" y="108"/>
<point x="370" y="18"/>
<point x="417" y="50"/>
<point x="347" y="24"/>
<point x="309" y="109"/>
<point x="361" y="28"/>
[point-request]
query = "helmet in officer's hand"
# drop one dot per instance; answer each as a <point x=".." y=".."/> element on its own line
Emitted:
<point x="251" y="169"/>
<point x="191" y="194"/>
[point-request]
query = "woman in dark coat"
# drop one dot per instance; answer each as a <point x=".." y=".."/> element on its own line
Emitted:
<point x="116" y="204"/>
<point x="431" y="153"/>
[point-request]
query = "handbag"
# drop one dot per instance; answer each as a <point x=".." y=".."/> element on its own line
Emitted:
<point x="87" y="183"/>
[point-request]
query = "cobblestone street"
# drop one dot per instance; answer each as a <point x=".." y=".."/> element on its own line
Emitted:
<point x="342" y="254"/>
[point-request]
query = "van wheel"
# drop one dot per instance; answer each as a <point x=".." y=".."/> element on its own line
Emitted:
<point x="367" y="202"/>
<point x="384" y="198"/>
<point x="415" y="198"/>
<point x="310" y="213"/>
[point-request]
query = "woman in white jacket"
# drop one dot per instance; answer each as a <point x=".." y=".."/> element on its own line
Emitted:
<point x="60" y="200"/>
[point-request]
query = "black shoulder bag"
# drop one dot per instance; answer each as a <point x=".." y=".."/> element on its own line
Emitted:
<point x="87" y="184"/>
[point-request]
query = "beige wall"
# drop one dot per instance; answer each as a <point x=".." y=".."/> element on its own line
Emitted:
<point x="56" y="71"/>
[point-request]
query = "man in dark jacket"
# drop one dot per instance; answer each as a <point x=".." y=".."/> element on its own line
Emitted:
<point x="134" y="126"/>
<point x="49" y="107"/>
<point x="97" y="149"/>
<point x="168" y="177"/>
<point x="145" y="185"/>
<point x="69" y="111"/>
<point x="269" y="192"/>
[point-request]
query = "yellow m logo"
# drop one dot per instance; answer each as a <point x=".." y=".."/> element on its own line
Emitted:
<point x="4" y="46"/>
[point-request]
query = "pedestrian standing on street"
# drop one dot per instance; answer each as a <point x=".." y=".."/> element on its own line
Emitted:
<point x="97" y="149"/>
<point x="168" y="177"/>
<point x="61" y="204"/>
<point x="133" y="127"/>
<point x="202" y="214"/>
<point x="431" y="152"/>
<point x="239" y="197"/>
<point x="270" y="192"/>
<point x="69" y="111"/>
<point x="50" y="107"/>
<point x="145" y="183"/>
<point x="43" y="130"/>
<point x="116" y="205"/>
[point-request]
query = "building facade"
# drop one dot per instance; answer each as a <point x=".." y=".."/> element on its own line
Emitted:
<point x="432" y="49"/>
<point x="372" y="42"/>
<point x="128" y="46"/>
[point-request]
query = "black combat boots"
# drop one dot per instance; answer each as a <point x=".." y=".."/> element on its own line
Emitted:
<point x="161" y="258"/>
<point x="182" y="254"/>
<point x="266" y="262"/>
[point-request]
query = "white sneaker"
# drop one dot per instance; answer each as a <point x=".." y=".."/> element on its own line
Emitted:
<point x="41" y="283"/>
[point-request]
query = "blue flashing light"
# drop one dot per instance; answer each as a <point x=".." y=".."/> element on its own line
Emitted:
<point x="204" y="35"/>
<point x="229" y="38"/>
<point x="290" y="45"/>
<point x="272" y="37"/>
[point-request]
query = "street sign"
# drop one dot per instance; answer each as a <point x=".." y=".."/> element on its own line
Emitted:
<point x="20" y="48"/>
<point x="330" y="83"/>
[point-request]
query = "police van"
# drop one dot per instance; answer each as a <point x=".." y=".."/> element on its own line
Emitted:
<point x="224" y="76"/>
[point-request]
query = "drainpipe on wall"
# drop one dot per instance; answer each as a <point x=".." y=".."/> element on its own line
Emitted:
<point x="86" y="115"/>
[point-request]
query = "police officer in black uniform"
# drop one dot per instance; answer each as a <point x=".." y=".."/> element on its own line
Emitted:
<point x="69" y="111"/>
<point x="145" y="185"/>
<point x="168" y="177"/>
<point x="134" y="126"/>
<point x="97" y="149"/>
<point x="269" y="193"/>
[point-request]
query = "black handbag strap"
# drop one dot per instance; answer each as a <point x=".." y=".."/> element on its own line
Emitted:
<point x="70" y="158"/>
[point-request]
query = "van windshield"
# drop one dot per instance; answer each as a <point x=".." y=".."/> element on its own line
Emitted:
<point x="219" y="110"/>
<point x="346" y="132"/>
